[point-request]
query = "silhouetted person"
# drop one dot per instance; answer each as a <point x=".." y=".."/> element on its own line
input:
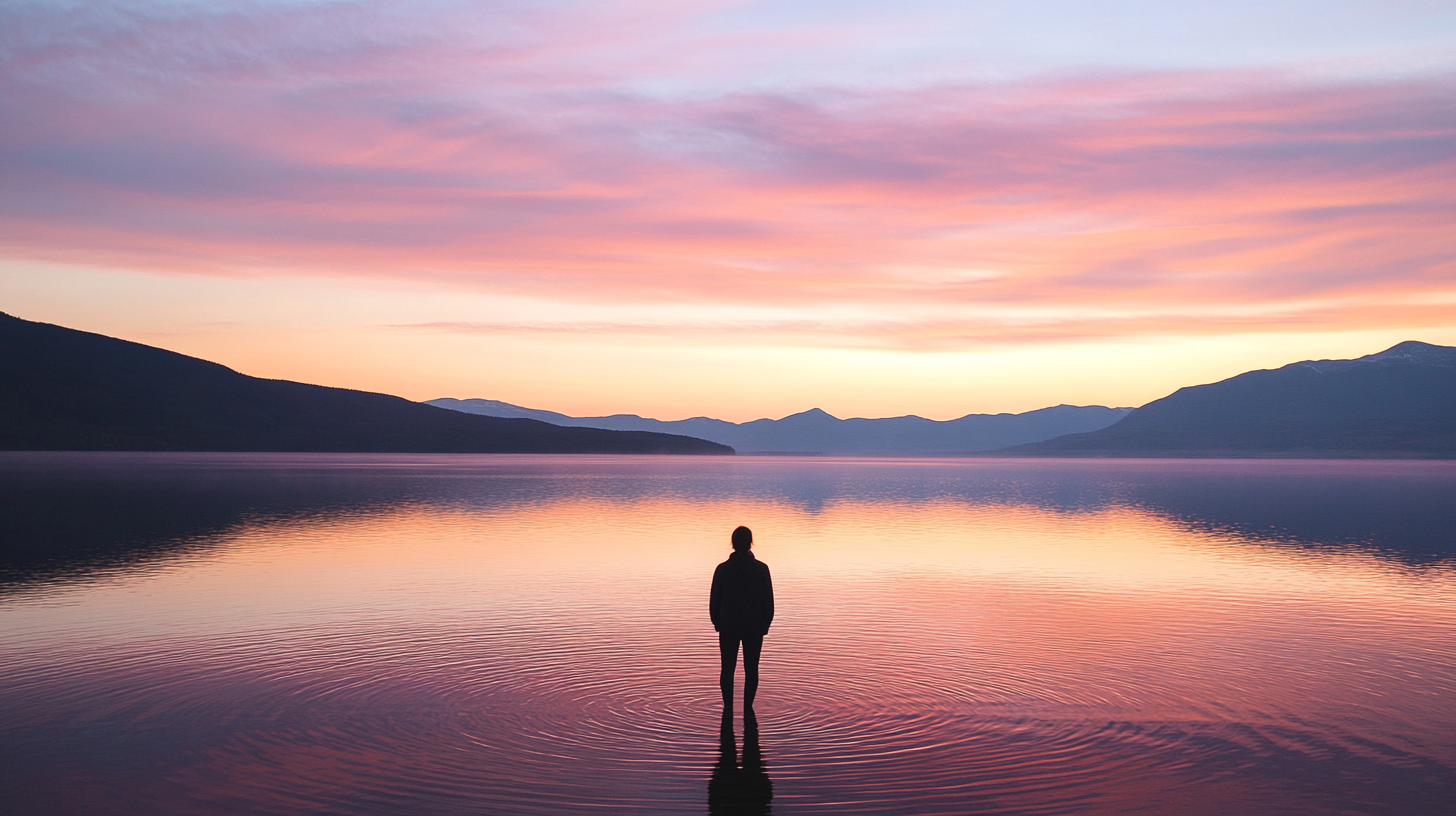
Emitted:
<point x="742" y="607"/>
<point x="739" y="789"/>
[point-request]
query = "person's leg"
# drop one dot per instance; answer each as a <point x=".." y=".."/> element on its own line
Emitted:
<point x="752" y="648"/>
<point x="728" y="653"/>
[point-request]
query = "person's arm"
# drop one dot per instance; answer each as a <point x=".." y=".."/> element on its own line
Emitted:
<point x="715" y="598"/>
<point x="768" y="586"/>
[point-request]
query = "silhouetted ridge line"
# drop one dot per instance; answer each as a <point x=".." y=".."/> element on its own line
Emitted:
<point x="63" y="389"/>
<point x="1400" y="402"/>
<point x="817" y="432"/>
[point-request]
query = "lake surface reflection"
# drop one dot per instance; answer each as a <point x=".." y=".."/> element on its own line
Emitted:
<point x="215" y="633"/>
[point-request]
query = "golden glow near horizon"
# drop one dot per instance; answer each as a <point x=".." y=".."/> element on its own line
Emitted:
<point x="275" y="332"/>
<point x="736" y="210"/>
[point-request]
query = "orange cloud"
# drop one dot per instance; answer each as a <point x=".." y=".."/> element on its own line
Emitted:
<point x="941" y="216"/>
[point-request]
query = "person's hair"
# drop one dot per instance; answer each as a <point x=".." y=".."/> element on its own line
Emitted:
<point x="742" y="538"/>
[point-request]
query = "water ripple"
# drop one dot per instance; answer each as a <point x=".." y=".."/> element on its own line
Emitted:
<point x="546" y="653"/>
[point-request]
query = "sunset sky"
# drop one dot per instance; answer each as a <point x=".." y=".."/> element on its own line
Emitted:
<point x="735" y="209"/>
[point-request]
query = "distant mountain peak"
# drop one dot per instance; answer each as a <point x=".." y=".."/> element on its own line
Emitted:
<point x="1409" y="352"/>
<point x="1414" y="351"/>
<point x="812" y="413"/>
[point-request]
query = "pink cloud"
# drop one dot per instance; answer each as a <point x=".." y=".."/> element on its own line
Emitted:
<point x="362" y="141"/>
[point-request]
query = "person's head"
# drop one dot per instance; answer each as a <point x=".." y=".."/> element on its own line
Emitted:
<point x="742" y="539"/>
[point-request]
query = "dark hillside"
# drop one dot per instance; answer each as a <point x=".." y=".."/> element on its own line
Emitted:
<point x="1398" y="403"/>
<point x="62" y="389"/>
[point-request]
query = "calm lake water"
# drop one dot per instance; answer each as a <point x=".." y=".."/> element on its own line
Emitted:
<point x="505" y="634"/>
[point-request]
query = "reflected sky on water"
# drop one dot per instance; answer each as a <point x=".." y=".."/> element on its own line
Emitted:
<point x="459" y="634"/>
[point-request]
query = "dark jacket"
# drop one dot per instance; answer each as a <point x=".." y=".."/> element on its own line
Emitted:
<point x="742" y="599"/>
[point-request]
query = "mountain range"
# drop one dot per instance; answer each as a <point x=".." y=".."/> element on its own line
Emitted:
<point x="815" y="431"/>
<point x="1400" y="402"/>
<point x="62" y="389"/>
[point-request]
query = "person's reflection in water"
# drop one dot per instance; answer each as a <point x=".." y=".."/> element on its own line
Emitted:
<point x="735" y="788"/>
<point x="741" y="606"/>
